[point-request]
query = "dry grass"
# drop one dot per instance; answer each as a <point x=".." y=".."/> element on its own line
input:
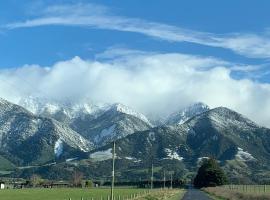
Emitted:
<point x="167" y="194"/>
<point x="227" y="194"/>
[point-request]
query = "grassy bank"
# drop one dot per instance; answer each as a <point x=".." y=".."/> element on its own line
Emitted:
<point x="224" y="193"/>
<point x="164" y="194"/>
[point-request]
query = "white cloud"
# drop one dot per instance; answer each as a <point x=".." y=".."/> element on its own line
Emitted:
<point x="95" y="16"/>
<point x="151" y="83"/>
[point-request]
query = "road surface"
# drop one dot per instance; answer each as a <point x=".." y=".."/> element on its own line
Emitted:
<point x="195" y="194"/>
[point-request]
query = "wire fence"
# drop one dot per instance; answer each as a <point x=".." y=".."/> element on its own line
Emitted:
<point x="248" y="188"/>
<point x="118" y="197"/>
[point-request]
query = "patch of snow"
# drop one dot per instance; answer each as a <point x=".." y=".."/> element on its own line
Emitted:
<point x="172" y="155"/>
<point x="101" y="155"/>
<point x="202" y="159"/>
<point x="244" y="155"/>
<point x="71" y="159"/>
<point x="58" y="148"/>
<point x="133" y="159"/>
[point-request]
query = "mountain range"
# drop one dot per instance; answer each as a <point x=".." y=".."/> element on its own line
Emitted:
<point x="54" y="138"/>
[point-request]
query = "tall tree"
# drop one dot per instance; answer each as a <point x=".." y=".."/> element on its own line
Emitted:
<point x="77" y="178"/>
<point x="210" y="174"/>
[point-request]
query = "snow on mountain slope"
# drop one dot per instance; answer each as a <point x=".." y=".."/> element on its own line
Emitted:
<point x="42" y="106"/>
<point x="243" y="155"/>
<point x="116" y="122"/>
<point x="118" y="107"/>
<point x="101" y="155"/>
<point x="71" y="137"/>
<point x="183" y="115"/>
<point x="33" y="138"/>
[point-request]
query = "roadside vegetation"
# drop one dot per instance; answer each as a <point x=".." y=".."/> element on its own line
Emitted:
<point x="168" y="194"/>
<point x="210" y="174"/>
<point x="239" y="192"/>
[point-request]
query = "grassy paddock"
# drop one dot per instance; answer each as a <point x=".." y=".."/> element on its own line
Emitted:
<point x="66" y="193"/>
<point x="240" y="192"/>
<point x="87" y="194"/>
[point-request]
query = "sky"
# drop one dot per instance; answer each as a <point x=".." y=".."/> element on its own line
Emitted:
<point x="156" y="56"/>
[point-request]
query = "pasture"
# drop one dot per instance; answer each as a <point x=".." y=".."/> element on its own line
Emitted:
<point x="86" y="194"/>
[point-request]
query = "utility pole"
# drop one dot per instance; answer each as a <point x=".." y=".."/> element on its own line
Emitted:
<point x="171" y="180"/>
<point x="152" y="176"/>
<point x="164" y="180"/>
<point x="113" y="160"/>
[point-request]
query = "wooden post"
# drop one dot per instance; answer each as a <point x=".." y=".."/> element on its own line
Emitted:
<point x="171" y="181"/>
<point x="113" y="160"/>
<point x="164" y="180"/>
<point x="152" y="176"/>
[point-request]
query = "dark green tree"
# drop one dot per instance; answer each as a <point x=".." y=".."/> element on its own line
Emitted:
<point x="210" y="174"/>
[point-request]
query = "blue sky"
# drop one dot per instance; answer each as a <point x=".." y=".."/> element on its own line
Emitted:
<point x="44" y="45"/>
<point x="170" y="53"/>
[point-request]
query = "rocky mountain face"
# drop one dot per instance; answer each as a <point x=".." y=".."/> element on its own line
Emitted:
<point x="100" y="124"/>
<point x="29" y="139"/>
<point x="115" y="123"/>
<point x="185" y="114"/>
<point x="82" y="138"/>
<point x="241" y="146"/>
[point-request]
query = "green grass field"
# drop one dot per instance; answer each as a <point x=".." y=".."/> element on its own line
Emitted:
<point x="87" y="194"/>
<point x="64" y="194"/>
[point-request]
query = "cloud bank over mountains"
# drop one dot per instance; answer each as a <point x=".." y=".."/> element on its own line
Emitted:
<point x="152" y="83"/>
<point x="100" y="17"/>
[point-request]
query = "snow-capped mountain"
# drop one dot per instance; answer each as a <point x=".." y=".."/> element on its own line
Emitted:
<point x="115" y="123"/>
<point x="34" y="139"/>
<point x="185" y="114"/>
<point x="118" y="107"/>
<point x="61" y="110"/>
<point x="239" y="144"/>
<point x="99" y="123"/>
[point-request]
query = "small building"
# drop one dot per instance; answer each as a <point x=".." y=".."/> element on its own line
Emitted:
<point x="2" y="185"/>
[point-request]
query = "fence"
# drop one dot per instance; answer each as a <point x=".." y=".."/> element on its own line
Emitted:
<point x="118" y="197"/>
<point x="248" y="188"/>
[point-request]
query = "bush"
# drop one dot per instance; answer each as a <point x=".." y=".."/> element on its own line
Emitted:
<point x="89" y="184"/>
<point x="210" y="174"/>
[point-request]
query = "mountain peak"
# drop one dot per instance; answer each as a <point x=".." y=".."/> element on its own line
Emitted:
<point x="224" y="117"/>
<point x="118" y="107"/>
<point x="185" y="114"/>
